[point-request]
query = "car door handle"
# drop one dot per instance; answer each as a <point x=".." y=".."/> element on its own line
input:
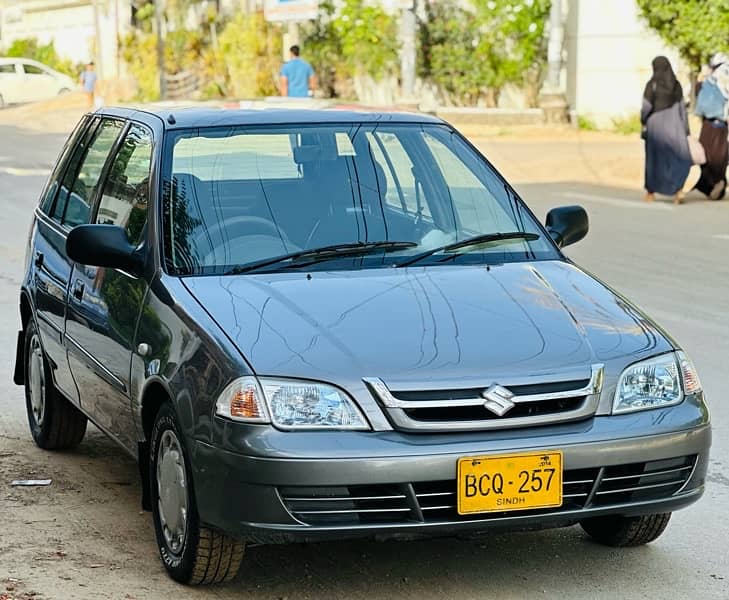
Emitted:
<point x="78" y="289"/>
<point x="38" y="259"/>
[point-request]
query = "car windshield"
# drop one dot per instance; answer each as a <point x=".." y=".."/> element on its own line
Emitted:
<point x="244" y="199"/>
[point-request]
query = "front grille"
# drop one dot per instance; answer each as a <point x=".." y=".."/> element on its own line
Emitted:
<point x="435" y="501"/>
<point x="643" y="481"/>
<point x="515" y="403"/>
<point x="354" y="504"/>
<point x="456" y="414"/>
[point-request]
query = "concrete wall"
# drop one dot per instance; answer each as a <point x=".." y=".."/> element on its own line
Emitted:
<point x="608" y="58"/>
<point x="72" y="26"/>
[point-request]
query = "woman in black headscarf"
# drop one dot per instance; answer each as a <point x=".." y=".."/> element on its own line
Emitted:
<point x="665" y="127"/>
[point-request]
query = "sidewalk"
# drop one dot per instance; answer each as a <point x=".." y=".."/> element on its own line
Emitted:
<point x="524" y="154"/>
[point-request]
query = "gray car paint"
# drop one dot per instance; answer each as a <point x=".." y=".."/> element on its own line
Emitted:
<point x="430" y="328"/>
<point x="418" y="327"/>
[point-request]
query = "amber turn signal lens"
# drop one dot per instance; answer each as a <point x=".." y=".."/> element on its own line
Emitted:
<point x="242" y="400"/>
<point x="243" y="404"/>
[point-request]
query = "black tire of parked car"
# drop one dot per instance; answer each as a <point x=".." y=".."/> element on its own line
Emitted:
<point x="62" y="425"/>
<point x="207" y="556"/>
<point x="623" y="532"/>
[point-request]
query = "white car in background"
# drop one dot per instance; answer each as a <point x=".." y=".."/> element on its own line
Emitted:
<point x="26" y="80"/>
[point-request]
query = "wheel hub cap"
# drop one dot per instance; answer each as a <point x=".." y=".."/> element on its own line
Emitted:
<point x="172" y="487"/>
<point x="37" y="380"/>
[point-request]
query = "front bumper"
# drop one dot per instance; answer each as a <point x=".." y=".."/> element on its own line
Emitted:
<point x="390" y="484"/>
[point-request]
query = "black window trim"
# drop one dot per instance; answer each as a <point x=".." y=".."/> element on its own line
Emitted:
<point x="102" y="176"/>
<point x="110" y="161"/>
<point x="91" y="127"/>
<point x="59" y="169"/>
<point x="110" y="158"/>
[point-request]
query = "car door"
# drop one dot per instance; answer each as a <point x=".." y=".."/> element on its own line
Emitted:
<point x="10" y="83"/>
<point x="50" y="268"/>
<point x="38" y="84"/>
<point x="104" y="304"/>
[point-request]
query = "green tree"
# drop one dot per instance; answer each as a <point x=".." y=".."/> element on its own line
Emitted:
<point x="351" y="39"/>
<point x="696" y="28"/>
<point x="249" y="53"/>
<point x="44" y="53"/>
<point x="470" y="53"/>
<point x="368" y="36"/>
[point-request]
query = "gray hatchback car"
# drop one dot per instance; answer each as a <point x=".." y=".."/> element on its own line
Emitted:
<point x="310" y="325"/>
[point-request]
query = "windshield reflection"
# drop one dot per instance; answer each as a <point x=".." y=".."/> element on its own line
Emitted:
<point x="237" y="197"/>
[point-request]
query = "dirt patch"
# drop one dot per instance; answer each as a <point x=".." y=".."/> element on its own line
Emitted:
<point x="15" y="589"/>
<point x="57" y="115"/>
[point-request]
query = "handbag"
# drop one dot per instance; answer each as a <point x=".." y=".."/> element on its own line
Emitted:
<point x="698" y="154"/>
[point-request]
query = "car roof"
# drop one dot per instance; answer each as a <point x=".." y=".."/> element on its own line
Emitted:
<point x="186" y="118"/>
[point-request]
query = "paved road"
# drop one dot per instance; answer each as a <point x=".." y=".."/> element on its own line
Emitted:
<point x="85" y="537"/>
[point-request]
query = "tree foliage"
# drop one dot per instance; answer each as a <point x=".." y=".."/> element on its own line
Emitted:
<point x="355" y="38"/>
<point x="473" y="52"/>
<point x="249" y="55"/>
<point x="696" y="28"/>
<point x="241" y="62"/>
<point x="44" y="53"/>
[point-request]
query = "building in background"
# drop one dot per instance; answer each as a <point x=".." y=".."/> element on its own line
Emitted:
<point x="81" y="30"/>
<point x="608" y="52"/>
<point x="607" y="49"/>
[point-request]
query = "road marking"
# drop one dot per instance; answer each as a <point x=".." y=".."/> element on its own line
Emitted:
<point x="619" y="202"/>
<point x="19" y="172"/>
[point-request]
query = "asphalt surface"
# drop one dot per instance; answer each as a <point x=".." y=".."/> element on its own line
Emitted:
<point x="84" y="536"/>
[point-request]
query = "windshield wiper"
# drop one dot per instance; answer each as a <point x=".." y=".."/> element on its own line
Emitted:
<point x="472" y="241"/>
<point x="324" y="253"/>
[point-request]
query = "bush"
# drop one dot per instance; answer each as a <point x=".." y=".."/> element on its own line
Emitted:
<point x="44" y="53"/>
<point x="355" y="40"/>
<point x="586" y="123"/>
<point x="471" y="53"/>
<point x="627" y="125"/>
<point x="248" y="57"/>
<point x="139" y="50"/>
<point x="454" y="55"/>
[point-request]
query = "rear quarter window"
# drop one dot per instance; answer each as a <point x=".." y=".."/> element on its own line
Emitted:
<point x="51" y="189"/>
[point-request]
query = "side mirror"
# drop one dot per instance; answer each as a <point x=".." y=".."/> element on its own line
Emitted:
<point x="103" y="246"/>
<point x="567" y="224"/>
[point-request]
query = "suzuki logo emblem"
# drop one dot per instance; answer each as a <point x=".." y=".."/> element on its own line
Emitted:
<point x="498" y="400"/>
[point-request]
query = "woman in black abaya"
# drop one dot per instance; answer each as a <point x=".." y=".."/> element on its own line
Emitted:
<point x="663" y="115"/>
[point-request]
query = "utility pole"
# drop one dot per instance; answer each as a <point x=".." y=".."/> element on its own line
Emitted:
<point x="552" y="99"/>
<point x="408" y="35"/>
<point x="554" y="47"/>
<point x="158" y="18"/>
<point x="99" y="58"/>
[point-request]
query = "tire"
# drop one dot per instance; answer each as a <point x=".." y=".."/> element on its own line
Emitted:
<point x="192" y="553"/>
<point x="623" y="532"/>
<point x="54" y="422"/>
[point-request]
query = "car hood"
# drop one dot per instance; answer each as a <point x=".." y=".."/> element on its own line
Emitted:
<point x="428" y="324"/>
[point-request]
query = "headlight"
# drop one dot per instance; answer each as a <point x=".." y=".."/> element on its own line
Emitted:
<point x="655" y="383"/>
<point x="290" y="404"/>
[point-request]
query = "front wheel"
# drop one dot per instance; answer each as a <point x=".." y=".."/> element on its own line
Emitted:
<point x="619" y="531"/>
<point x="191" y="553"/>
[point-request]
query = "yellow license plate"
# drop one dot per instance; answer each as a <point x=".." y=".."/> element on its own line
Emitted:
<point x="509" y="482"/>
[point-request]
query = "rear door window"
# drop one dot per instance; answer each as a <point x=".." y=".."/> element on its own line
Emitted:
<point x="33" y="70"/>
<point x="126" y="191"/>
<point x="80" y="183"/>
